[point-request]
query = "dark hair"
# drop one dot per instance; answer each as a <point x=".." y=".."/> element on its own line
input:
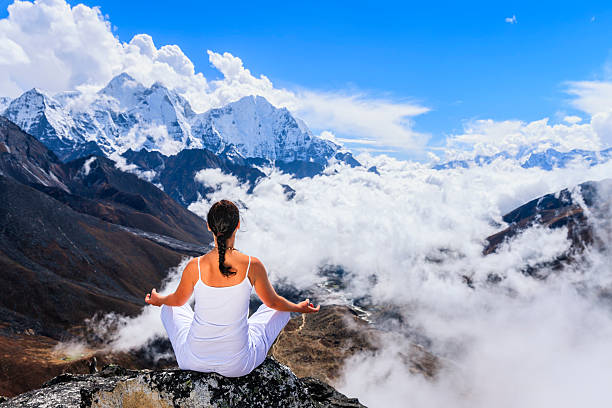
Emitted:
<point x="223" y="219"/>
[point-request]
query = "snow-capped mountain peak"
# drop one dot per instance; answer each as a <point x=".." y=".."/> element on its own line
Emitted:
<point x="42" y="116"/>
<point x="258" y="129"/>
<point x="126" y="114"/>
<point x="124" y="89"/>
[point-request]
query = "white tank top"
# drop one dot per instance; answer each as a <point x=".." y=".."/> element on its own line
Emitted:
<point x="219" y="332"/>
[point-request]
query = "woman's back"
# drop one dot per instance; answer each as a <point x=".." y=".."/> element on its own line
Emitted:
<point x="219" y="332"/>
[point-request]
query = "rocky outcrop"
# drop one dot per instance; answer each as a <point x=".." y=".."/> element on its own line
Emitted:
<point x="578" y="209"/>
<point x="269" y="385"/>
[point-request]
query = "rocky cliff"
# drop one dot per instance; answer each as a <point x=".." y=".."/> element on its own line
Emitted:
<point x="269" y="385"/>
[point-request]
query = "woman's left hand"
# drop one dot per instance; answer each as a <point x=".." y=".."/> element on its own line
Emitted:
<point x="153" y="298"/>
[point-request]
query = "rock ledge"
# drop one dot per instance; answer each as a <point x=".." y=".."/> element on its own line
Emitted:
<point x="269" y="385"/>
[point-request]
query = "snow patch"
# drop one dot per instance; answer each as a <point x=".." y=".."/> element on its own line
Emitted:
<point x="87" y="165"/>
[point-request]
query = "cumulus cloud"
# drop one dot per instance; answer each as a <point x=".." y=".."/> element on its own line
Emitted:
<point x="488" y="137"/>
<point x="79" y="51"/>
<point x="510" y="20"/>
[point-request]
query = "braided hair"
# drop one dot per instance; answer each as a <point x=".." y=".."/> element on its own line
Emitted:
<point x="223" y="219"/>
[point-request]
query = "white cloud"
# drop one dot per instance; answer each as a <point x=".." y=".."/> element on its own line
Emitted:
<point x="572" y="119"/>
<point x="87" y="165"/>
<point x="510" y="20"/>
<point x="12" y="53"/>
<point x="595" y="99"/>
<point x="216" y="178"/>
<point x="147" y="135"/>
<point x="79" y="51"/>
<point x="389" y="123"/>
<point x="591" y="97"/>
<point x="487" y="137"/>
<point x="358" y="141"/>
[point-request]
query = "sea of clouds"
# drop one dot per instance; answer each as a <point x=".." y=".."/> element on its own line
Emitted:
<point x="522" y="342"/>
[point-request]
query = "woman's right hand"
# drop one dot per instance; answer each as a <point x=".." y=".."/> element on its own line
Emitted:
<point x="307" y="307"/>
<point x="154" y="298"/>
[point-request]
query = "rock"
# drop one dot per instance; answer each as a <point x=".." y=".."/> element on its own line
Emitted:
<point x="92" y="365"/>
<point x="269" y="385"/>
<point x="327" y="395"/>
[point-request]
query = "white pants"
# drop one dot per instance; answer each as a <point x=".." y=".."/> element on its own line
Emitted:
<point x="264" y="326"/>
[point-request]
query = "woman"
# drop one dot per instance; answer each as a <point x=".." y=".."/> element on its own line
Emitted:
<point x="219" y="336"/>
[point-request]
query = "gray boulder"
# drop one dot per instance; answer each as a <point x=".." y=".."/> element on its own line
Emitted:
<point x="269" y="385"/>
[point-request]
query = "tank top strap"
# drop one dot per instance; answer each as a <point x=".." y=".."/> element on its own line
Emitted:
<point x="246" y="275"/>
<point x="199" y="273"/>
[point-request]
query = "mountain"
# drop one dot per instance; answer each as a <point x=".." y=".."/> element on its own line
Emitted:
<point x="257" y="129"/>
<point x="552" y="158"/>
<point x="577" y="209"/>
<point x="546" y="160"/>
<point x="478" y="160"/>
<point x="176" y="173"/>
<point x="81" y="237"/>
<point x="127" y="115"/>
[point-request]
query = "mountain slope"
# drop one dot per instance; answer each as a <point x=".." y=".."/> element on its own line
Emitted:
<point x="81" y="237"/>
<point x="94" y="186"/>
<point x="177" y="173"/>
<point x="578" y="209"/>
<point x="61" y="266"/>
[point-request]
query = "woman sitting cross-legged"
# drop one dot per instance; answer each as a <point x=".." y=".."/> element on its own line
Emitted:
<point x="218" y="336"/>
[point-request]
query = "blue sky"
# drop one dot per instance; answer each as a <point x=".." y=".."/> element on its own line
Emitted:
<point x="463" y="61"/>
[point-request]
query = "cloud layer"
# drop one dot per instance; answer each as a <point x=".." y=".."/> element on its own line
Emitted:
<point x="521" y="342"/>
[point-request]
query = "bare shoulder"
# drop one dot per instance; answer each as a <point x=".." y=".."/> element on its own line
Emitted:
<point x="191" y="269"/>
<point x="256" y="264"/>
<point x="257" y="269"/>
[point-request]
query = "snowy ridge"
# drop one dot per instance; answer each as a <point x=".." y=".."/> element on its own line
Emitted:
<point x="125" y="114"/>
<point x="547" y="160"/>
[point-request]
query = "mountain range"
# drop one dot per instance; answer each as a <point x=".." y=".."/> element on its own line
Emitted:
<point x="548" y="159"/>
<point x="127" y="115"/>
